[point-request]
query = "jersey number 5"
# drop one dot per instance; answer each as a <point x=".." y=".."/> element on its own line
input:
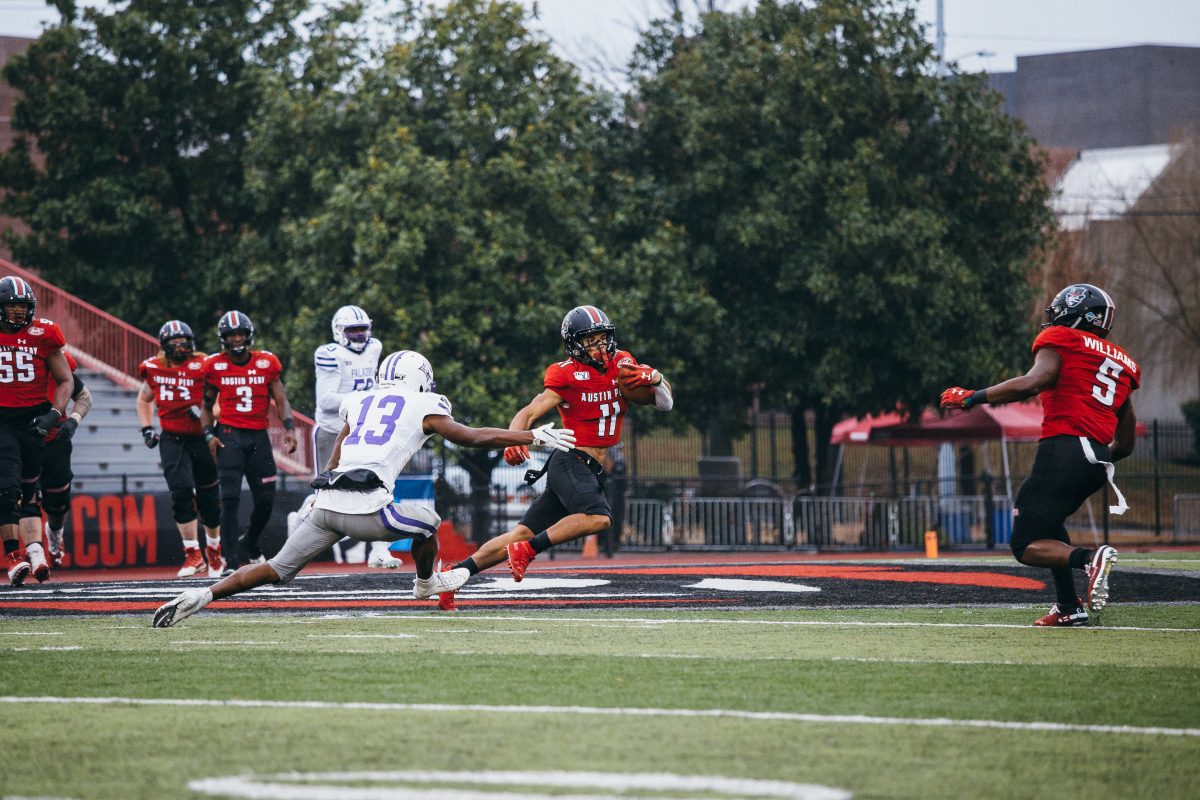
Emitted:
<point x="1107" y="376"/>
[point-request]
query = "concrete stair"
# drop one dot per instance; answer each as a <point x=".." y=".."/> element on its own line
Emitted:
<point x="108" y="452"/>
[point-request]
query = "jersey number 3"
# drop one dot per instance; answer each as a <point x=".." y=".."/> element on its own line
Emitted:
<point x="1106" y="377"/>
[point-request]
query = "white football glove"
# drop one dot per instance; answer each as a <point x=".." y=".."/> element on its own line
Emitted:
<point x="549" y="436"/>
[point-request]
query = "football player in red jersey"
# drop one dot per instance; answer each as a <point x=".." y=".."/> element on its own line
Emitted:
<point x="583" y="389"/>
<point x="1085" y="384"/>
<point x="55" y="482"/>
<point x="244" y="382"/>
<point x="30" y="354"/>
<point x="173" y="383"/>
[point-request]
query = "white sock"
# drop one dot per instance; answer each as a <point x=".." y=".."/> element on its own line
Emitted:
<point x="191" y="544"/>
<point x="35" y="551"/>
<point x="55" y="531"/>
<point x="212" y="541"/>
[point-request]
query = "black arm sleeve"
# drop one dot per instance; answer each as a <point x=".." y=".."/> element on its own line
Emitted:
<point x="78" y="390"/>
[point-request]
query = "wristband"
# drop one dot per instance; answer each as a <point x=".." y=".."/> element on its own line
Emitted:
<point x="210" y="433"/>
<point x="979" y="397"/>
<point x="289" y="425"/>
<point x="75" y="415"/>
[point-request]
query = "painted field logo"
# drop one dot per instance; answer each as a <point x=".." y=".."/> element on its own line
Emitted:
<point x="417" y="785"/>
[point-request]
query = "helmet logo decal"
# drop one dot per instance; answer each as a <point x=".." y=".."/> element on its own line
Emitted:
<point x="1075" y="296"/>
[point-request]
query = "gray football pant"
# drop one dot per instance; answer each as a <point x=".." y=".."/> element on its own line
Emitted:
<point x="323" y="442"/>
<point x="321" y="529"/>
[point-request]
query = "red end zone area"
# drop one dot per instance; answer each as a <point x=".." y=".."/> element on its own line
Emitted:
<point x="660" y="580"/>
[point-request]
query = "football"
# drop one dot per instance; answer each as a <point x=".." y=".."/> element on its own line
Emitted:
<point x="638" y="395"/>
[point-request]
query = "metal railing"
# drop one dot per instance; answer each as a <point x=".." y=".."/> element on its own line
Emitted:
<point x="115" y="348"/>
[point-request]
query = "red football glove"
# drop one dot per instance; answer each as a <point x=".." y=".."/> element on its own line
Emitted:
<point x="643" y="375"/>
<point x="958" y="397"/>
<point x="516" y="455"/>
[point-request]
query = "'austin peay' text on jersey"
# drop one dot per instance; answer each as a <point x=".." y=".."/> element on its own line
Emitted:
<point x="243" y="391"/>
<point x="23" y="370"/>
<point x="177" y="390"/>
<point x="1094" y="381"/>
<point x="592" y="404"/>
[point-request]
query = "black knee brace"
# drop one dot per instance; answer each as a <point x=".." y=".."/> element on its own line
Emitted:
<point x="30" y="508"/>
<point x="57" y="503"/>
<point x="183" y="505"/>
<point x="208" y="503"/>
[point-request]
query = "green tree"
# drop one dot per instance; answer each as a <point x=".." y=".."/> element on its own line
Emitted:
<point x="472" y="218"/>
<point x="130" y="131"/>
<point x="870" y="227"/>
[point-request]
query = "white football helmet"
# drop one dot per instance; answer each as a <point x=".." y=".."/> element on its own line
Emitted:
<point x="357" y="320"/>
<point x="406" y="368"/>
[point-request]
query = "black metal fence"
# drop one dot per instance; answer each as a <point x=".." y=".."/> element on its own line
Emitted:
<point x="881" y="498"/>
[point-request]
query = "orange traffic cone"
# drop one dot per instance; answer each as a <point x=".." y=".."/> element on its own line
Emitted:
<point x="931" y="544"/>
<point x="590" y="549"/>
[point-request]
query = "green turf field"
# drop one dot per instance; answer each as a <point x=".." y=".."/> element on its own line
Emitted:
<point x="876" y="703"/>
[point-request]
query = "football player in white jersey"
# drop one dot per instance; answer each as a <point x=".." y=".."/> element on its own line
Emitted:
<point x="345" y="365"/>
<point x="381" y="430"/>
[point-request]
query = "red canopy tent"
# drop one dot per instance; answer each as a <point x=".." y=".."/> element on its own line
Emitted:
<point x="1014" y="422"/>
<point x="1019" y="422"/>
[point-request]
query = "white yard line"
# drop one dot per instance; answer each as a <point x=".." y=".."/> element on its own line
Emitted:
<point x="636" y="621"/>
<point x="709" y="713"/>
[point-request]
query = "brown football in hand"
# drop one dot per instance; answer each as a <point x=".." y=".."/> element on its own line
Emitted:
<point x="638" y="395"/>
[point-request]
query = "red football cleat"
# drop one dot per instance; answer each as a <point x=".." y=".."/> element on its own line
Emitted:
<point x="519" y="556"/>
<point x="193" y="563"/>
<point x="55" y="540"/>
<point x="446" y="599"/>
<point x="216" y="562"/>
<point x="1103" y="560"/>
<point x="40" y="568"/>
<point x="1064" y="619"/>
<point x="18" y="568"/>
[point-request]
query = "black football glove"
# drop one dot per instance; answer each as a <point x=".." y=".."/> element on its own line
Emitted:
<point x="67" y="429"/>
<point x="43" y="424"/>
<point x="150" y="437"/>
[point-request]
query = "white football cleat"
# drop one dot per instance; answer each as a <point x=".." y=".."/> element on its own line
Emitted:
<point x="182" y="607"/>
<point x="382" y="557"/>
<point x="448" y="581"/>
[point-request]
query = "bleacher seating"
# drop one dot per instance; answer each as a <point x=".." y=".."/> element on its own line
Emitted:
<point x="108" y="453"/>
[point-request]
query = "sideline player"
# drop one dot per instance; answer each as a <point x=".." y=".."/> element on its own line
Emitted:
<point x="381" y="430"/>
<point x="347" y="364"/>
<point x="584" y="390"/>
<point x="30" y="354"/>
<point x="55" y="483"/>
<point x="173" y="385"/>
<point x="1085" y="383"/>
<point x="244" y="382"/>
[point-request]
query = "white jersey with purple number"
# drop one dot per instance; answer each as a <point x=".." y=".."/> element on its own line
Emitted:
<point x="386" y="430"/>
<point x="340" y="371"/>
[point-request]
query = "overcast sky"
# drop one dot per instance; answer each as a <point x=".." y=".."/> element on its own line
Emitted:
<point x="980" y="34"/>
